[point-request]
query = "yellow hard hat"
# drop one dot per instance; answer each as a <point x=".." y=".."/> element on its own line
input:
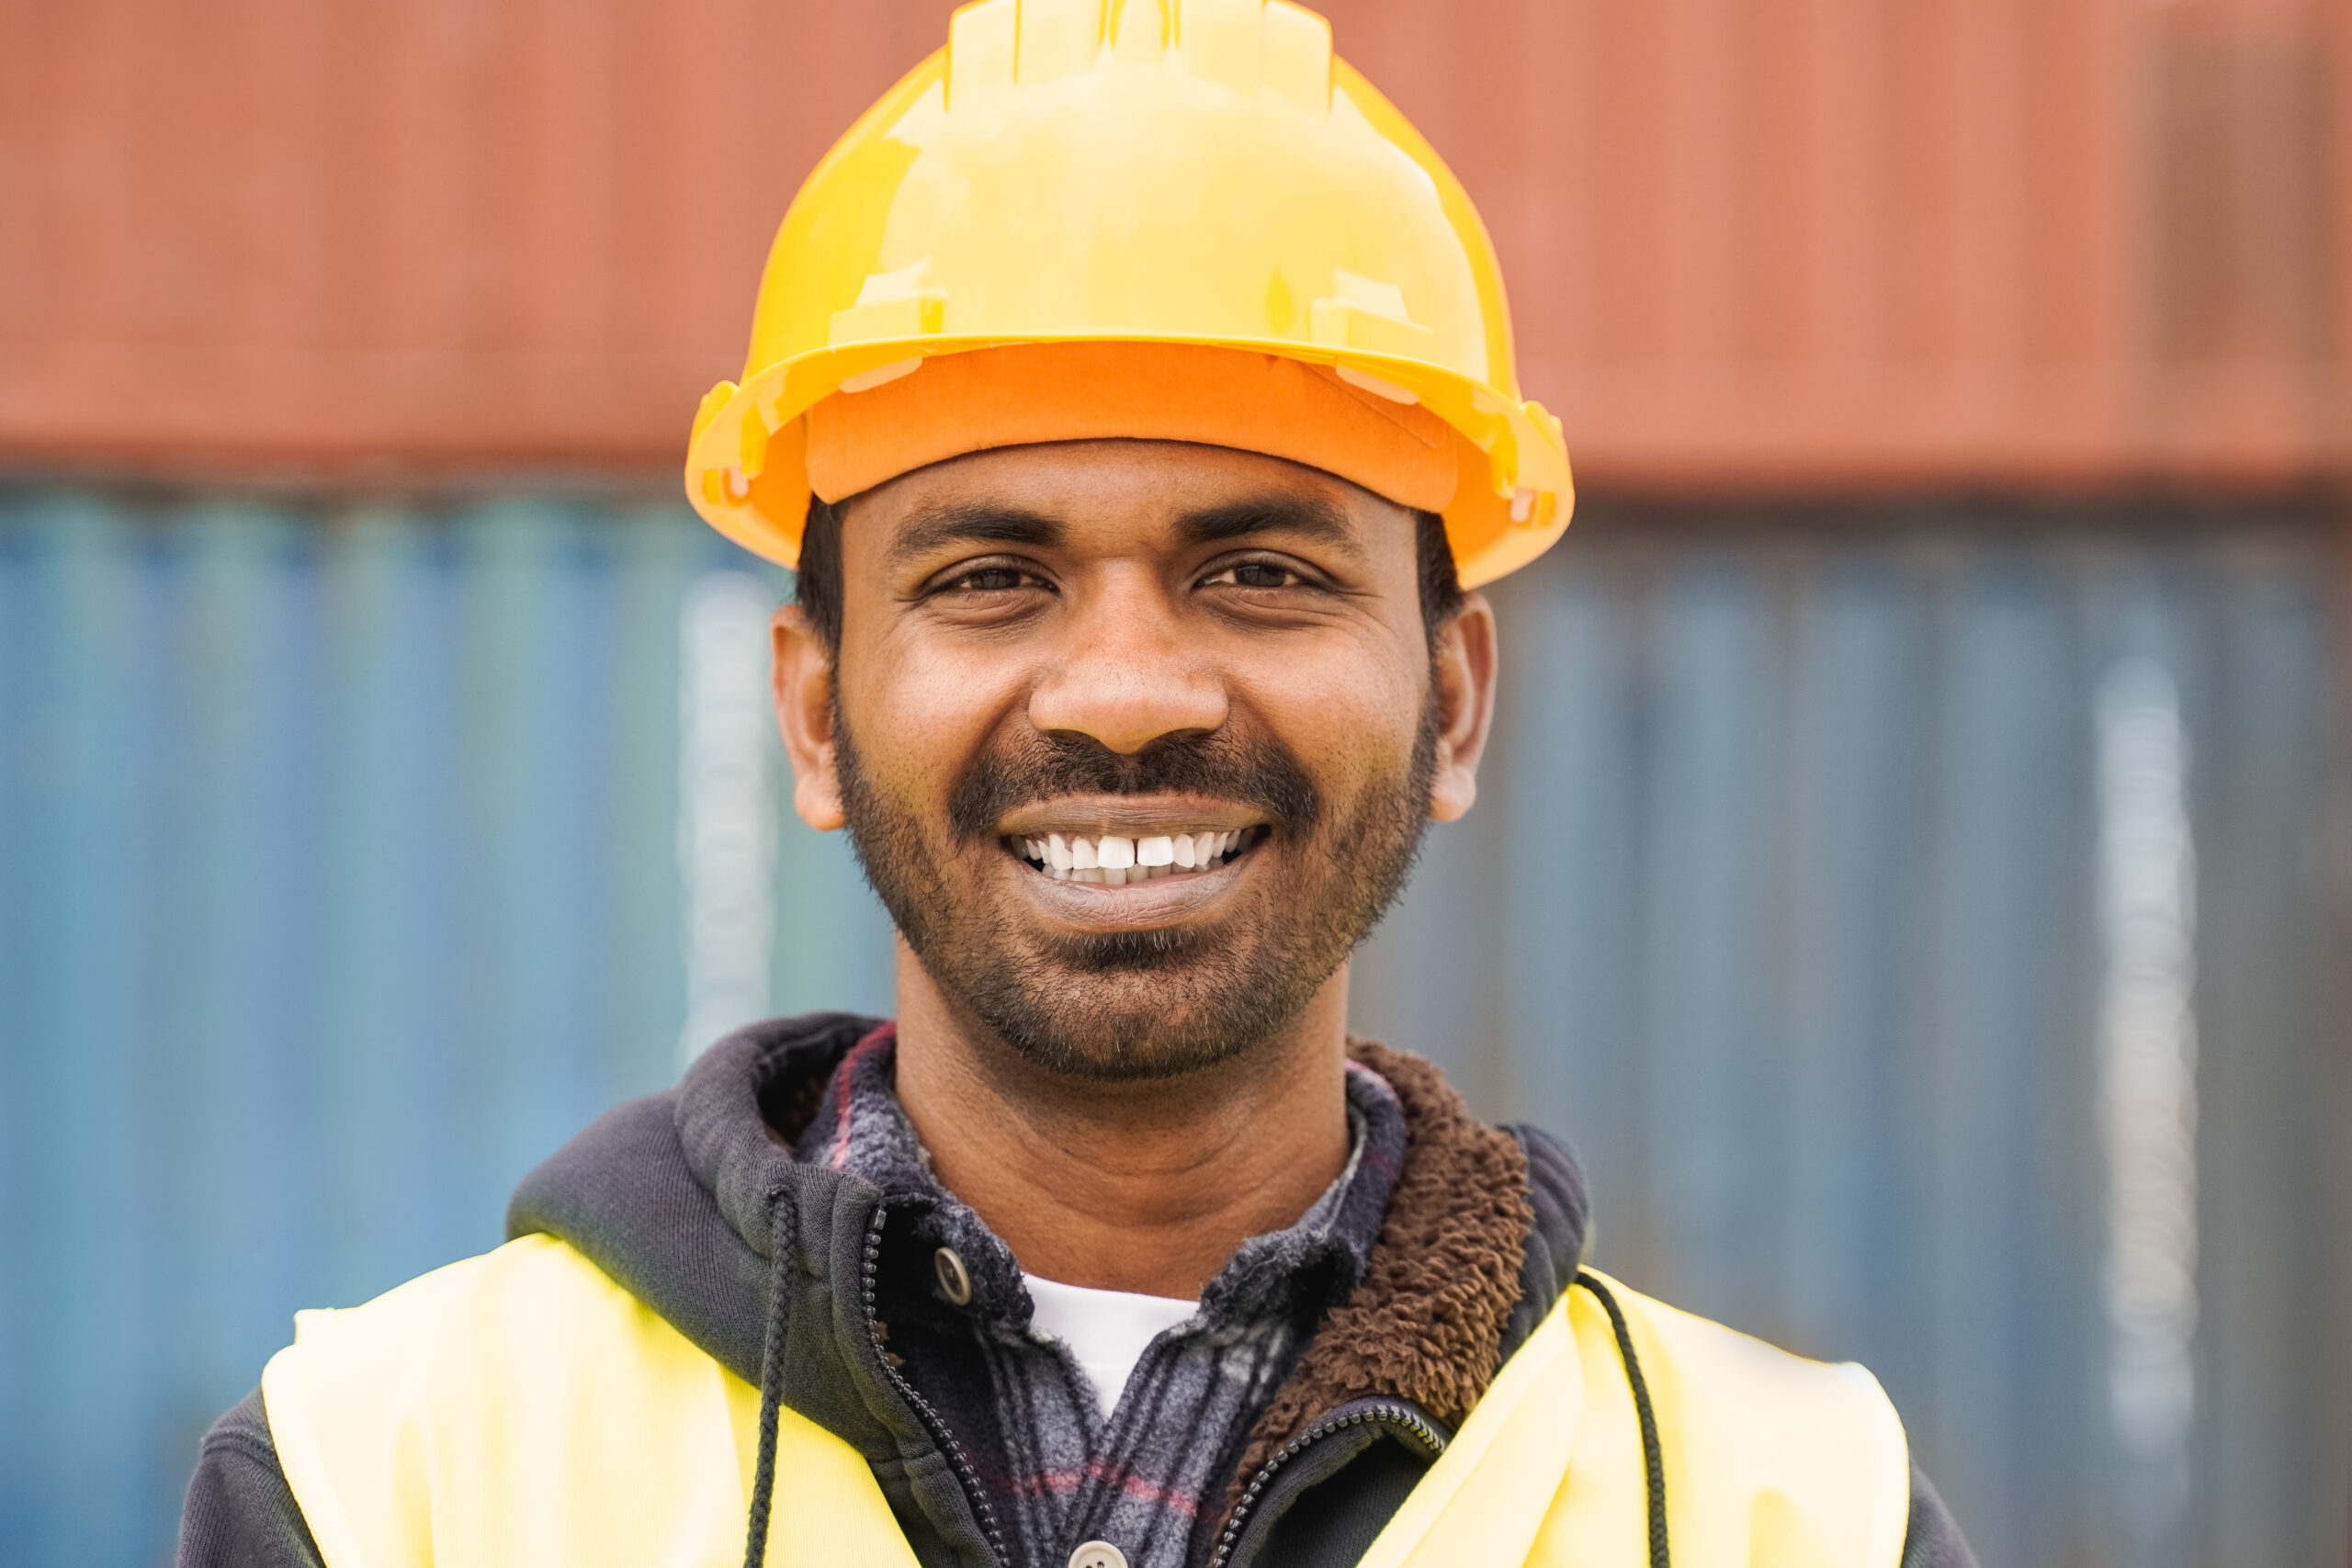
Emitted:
<point x="1172" y="171"/>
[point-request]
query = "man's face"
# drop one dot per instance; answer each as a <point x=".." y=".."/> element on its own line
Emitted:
<point x="1136" y="740"/>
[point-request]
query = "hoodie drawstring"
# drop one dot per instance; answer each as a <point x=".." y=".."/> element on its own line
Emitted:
<point x="1653" y="1457"/>
<point x="780" y="1237"/>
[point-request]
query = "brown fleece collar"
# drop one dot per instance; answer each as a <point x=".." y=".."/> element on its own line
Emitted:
<point x="1427" y="1323"/>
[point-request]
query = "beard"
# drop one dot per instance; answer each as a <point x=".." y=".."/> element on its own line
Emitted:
<point x="1132" y="1005"/>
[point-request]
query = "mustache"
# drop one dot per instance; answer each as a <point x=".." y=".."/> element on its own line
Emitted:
<point x="1025" y="766"/>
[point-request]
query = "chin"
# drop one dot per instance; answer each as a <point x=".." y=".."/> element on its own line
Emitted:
<point x="1139" y="1021"/>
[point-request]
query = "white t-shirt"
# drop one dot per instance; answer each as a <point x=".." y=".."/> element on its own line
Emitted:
<point x="1107" y="1331"/>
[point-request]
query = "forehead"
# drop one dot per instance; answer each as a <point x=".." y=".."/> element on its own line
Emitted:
<point x="1121" y="495"/>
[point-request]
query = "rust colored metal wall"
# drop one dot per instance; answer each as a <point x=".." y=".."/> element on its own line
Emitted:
<point x="1961" y="239"/>
<point x="1751" y="241"/>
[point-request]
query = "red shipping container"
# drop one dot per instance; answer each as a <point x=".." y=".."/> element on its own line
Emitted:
<point x="1813" y="244"/>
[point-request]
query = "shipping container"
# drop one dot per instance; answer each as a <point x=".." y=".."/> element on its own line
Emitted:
<point x="353" y="857"/>
<point x="1799" y="243"/>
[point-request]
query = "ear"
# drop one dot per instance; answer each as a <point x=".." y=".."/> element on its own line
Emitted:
<point x="804" y="711"/>
<point x="1465" y="674"/>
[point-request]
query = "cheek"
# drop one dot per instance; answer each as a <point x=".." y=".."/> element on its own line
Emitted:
<point x="919" y="716"/>
<point x="1351" y="717"/>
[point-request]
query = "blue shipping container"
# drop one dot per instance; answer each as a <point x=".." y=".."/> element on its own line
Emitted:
<point x="1925" y="923"/>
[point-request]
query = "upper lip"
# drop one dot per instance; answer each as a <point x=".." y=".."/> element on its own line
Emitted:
<point x="1129" y="815"/>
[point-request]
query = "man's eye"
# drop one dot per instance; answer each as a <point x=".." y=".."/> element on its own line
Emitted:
<point x="1258" y="574"/>
<point x="990" y="580"/>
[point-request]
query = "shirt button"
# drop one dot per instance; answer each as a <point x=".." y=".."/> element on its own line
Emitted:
<point x="1098" y="1555"/>
<point x="955" y="1284"/>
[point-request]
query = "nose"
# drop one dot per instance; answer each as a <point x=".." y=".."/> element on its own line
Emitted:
<point x="1126" y="673"/>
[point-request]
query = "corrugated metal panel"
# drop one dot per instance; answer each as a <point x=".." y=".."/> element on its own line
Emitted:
<point x="338" y="885"/>
<point x="1783" y="901"/>
<point x="1784" y="240"/>
<point x="339" y="881"/>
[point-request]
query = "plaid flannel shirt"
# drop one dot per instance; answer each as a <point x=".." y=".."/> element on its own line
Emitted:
<point x="1052" y="1471"/>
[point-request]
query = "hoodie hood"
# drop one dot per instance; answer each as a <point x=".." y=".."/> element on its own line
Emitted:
<point x="674" y="1195"/>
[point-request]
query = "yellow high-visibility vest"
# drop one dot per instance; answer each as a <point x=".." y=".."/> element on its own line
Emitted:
<point x="520" y="1409"/>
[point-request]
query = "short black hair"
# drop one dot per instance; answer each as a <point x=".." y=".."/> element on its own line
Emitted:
<point x="817" y="587"/>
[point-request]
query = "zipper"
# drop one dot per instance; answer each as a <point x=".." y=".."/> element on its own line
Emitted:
<point x="923" y="1408"/>
<point x="1387" y="1414"/>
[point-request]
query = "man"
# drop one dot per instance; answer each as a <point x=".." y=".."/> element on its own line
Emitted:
<point x="1132" y="392"/>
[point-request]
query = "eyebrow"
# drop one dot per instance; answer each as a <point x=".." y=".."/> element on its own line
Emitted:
<point x="967" y="524"/>
<point x="1304" y="517"/>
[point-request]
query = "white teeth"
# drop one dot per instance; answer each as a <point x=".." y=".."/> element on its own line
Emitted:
<point x="1117" y="860"/>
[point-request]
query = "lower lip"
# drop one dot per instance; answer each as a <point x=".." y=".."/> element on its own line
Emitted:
<point x="1137" y="905"/>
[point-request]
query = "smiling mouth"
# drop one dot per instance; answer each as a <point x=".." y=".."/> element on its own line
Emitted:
<point x="1114" y="860"/>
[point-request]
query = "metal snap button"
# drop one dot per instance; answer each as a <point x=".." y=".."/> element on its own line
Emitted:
<point x="1098" y="1555"/>
<point x="955" y="1284"/>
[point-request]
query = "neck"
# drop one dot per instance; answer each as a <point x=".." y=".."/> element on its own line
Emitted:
<point x="1145" y="1187"/>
